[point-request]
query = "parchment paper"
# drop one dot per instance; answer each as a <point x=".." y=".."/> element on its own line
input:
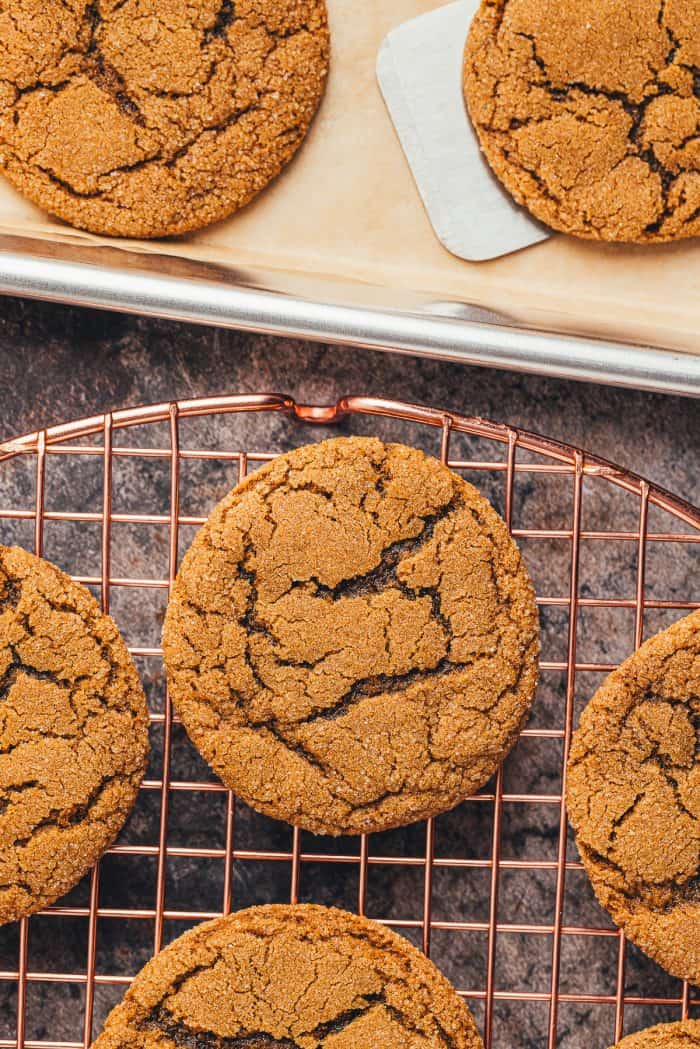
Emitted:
<point x="347" y="208"/>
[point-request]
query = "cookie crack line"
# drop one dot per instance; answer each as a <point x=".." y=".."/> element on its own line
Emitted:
<point x="637" y="894"/>
<point x="224" y="18"/>
<point x="159" y="157"/>
<point x="63" y="816"/>
<point x="104" y="75"/>
<point x="11" y="592"/>
<point x="284" y="735"/>
<point x="10" y="600"/>
<point x="640" y="888"/>
<point x="183" y="1036"/>
<point x="650" y="695"/>
<point x="367" y="687"/>
<point x="671" y="196"/>
<point x="647" y="716"/>
<point x="378" y="580"/>
<point x="18" y="667"/>
<point x="95" y="67"/>
<point x="266" y="642"/>
<point x="635" y="110"/>
<point x="354" y="982"/>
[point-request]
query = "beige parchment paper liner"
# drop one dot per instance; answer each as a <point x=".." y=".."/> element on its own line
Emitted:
<point x="347" y="208"/>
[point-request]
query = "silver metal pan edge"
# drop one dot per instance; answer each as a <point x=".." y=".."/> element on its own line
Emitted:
<point x="311" y="308"/>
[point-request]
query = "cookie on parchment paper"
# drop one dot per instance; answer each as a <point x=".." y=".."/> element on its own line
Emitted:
<point x="146" y="118"/>
<point x="588" y="112"/>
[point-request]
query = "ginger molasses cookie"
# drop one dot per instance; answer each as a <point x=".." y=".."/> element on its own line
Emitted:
<point x="634" y="796"/>
<point x="145" y="118"/>
<point x="588" y="112"/>
<point x="685" y="1034"/>
<point x="298" y="977"/>
<point x="73" y="733"/>
<point x="352" y="641"/>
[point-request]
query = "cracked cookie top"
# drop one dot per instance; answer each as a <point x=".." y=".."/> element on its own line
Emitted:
<point x="352" y="641"/>
<point x="682" y="1035"/>
<point x="73" y="733"/>
<point x="634" y="796"/>
<point x="298" y="977"/>
<point x="589" y="112"/>
<point x="146" y="118"/>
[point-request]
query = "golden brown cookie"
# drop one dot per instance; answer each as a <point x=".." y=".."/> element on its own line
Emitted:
<point x="682" y="1035"/>
<point x="588" y="112"/>
<point x="73" y="733"/>
<point x="299" y="977"/>
<point x="634" y="796"/>
<point x="352" y="641"/>
<point x="145" y="118"/>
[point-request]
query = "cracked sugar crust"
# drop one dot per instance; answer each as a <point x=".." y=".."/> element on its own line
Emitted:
<point x="298" y="977"/>
<point x="589" y="112"/>
<point x="73" y="733"/>
<point x="634" y="796"/>
<point x="684" y="1034"/>
<point x="352" y="641"/>
<point x="146" y="118"/>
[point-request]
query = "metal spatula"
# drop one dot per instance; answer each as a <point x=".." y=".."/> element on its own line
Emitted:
<point x="419" y="68"/>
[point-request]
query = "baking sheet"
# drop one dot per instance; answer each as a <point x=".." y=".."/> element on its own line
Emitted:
<point x="347" y="208"/>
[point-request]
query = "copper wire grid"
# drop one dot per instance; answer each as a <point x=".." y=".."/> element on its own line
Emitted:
<point x="522" y="459"/>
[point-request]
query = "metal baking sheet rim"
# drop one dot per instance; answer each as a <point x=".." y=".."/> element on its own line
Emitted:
<point x="426" y="331"/>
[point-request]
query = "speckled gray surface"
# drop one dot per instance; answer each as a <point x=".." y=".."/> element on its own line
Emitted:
<point x="57" y="364"/>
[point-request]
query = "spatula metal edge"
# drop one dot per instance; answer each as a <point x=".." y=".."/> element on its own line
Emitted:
<point x="419" y="70"/>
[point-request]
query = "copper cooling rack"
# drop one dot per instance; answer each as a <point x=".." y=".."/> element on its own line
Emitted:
<point x="493" y="891"/>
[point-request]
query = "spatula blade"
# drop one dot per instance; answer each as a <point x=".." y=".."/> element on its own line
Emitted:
<point x="419" y="68"/>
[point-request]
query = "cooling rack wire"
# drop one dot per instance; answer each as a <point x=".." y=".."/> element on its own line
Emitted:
<point x="520" y="457"/>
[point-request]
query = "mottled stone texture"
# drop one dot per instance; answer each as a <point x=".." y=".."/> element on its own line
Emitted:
<point x="57" y="364"/>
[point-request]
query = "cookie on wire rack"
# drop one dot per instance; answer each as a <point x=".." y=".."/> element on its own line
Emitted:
<point x="142" y="118"/>
<point x="685" y="1034"/>
<point x="352" y="641"/>
<point x="296" y="977"/>
<point x="73" y="733"/>
<point x="633" y="793"/>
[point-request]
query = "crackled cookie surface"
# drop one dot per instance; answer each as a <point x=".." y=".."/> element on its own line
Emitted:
<point x="634" y="796"/>
<point x="589" y="112"/>
<point x="73" y="733"/>
<point x="299" y="977"/>
<point x="352" y="640"/>
<point x="147" y="118"/>
<point x="682" y="1035"/>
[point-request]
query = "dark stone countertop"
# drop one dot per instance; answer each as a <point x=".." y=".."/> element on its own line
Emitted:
<point x="57" y="364"/>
